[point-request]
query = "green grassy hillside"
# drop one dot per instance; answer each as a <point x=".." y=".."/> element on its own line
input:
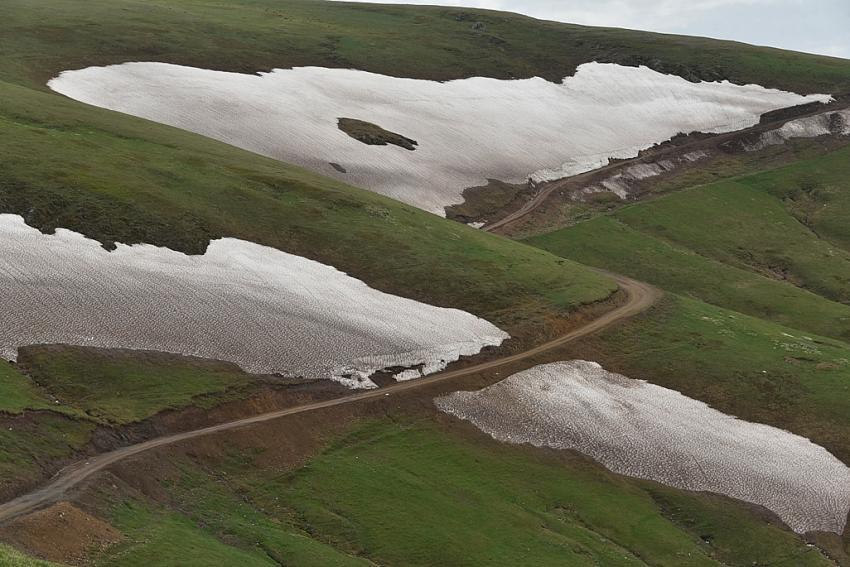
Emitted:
<point x="121" y="179"/>
<point x="745" y="227"/>
<point x="116" y="178"/>
<point x="413" y="493"/>
<point x="770" y="244"/>
<point x="48" y="36"/>
<point x="120" y="387"/>
<point x="17" y="392"/>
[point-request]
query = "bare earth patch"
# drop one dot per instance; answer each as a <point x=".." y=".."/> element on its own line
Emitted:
<point x="373" y="135"/>
<point x="646" y="431"/>
<point x="61" y="533"/>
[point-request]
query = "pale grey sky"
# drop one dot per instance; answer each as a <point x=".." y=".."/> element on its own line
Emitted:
<point x="814" y="26"/>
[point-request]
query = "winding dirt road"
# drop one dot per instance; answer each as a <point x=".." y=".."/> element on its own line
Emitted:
<point x="768" y="121"/>
<point x="640" y="297"/>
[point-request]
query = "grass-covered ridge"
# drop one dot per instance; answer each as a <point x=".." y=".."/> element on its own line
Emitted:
<point x="48" y="36"/>
<point x="607" y="242"/>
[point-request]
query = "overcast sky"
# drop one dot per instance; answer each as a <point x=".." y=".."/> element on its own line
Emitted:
<point x="814" y="26"/>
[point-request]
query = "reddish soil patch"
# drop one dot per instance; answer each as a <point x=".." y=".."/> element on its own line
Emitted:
<point x="61" y="533"/>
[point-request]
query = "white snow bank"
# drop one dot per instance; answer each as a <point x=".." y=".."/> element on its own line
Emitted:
<point x="646" y="431"/>
<point x="264" y="309"/>
<point x="825" y="123"/>
<point x="468" y="130"/>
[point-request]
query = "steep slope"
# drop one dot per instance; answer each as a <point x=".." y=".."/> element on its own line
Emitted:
<point x="609" y="111"/>
<point x="119" y="179"/>
<point x="113" y="178"/>
<point x="768" y="244"/>
<point x="466" y="501"/>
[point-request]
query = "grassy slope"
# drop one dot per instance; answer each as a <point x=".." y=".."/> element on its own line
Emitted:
<point x="17" y="392"/>
<point x="95" y="389"/>
<point x="123" y="387"/>
<point x="167" y="537"/>
<point x="607" y="242"/>
<point x="116" y="178"/>
<point x="420" y="42"/>
<point x="770" y="244"/>
<point x="10" y="557"/>
<point x="748" y="228"/>
<point x="414" y="494"/>
<point x="816" y="191"/>
<point x="741" y="365"/>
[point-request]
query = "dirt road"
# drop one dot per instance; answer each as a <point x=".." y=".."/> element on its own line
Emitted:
<point x="769" y="121"/>
<point x="640" y="297"/>
<point x="544" y="193"/>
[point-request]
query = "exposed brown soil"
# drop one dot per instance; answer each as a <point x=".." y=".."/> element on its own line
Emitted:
<point x="682" y="161"/>
<point x="61" y="533"/>
<point x="493" y="200"/>
<point x="374" y="135"/>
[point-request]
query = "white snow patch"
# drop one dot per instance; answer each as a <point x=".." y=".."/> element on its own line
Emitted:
<point x="646" y="431"/>
<point x="468" y="130"/>
<point x="822" y="124"/>
<point x="405" y="375"/>
<point x="695" y="155"/>
<point x="259" y="307"/>
<point x="621" y="183"/>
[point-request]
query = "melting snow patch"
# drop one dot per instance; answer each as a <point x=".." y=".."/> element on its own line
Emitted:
<point x="264" y="309"/>
<point x="646" y="431"/>
<point x="468" y="130"/>
<point x="825" y="123"/>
